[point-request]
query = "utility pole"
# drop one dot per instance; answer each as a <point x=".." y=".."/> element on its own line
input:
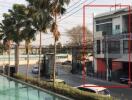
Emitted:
<point x="115" y="5"/>
<point x="106" y="56"/>
<point x="107" y="60"/>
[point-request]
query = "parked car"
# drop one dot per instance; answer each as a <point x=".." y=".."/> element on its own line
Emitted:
<point x="66" y="62"/>
<point x="94" y="89"/>
<point x="124" y="79"/>
<point x="35" y="70"/>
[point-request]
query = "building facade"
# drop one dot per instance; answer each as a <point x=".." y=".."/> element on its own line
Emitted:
<point x="111" y="44"/>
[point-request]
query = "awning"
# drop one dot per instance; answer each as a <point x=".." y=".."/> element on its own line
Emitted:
<point x="124" y="58"/>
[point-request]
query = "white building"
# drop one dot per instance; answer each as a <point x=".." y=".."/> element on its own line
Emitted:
<point x="111" y="32"/>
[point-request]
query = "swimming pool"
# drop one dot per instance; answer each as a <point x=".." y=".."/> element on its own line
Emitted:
<point x="11" y="90"/>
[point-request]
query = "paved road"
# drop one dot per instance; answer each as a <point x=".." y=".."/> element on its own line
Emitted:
<point x="75" y="80"/>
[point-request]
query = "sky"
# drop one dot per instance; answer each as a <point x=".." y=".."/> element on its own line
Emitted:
<point x="72" y="17"/>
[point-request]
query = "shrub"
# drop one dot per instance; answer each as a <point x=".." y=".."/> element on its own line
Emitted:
<point x="63" y="89"/>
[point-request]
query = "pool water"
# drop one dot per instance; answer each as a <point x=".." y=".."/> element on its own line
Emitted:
<point x="11" y="90"/>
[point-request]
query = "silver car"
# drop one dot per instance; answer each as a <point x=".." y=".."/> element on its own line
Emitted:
<point x="35" y="70"/>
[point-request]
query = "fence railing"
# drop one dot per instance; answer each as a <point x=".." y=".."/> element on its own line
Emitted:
<point x="118" y="36"/>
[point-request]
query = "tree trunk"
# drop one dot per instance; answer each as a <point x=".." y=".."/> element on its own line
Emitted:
<point x="27" y="59"/>
<point x="9" y="60"/>
<point x="17" y="57"/>
<point x="54" y="67"/>
<point x="40" y="48"/>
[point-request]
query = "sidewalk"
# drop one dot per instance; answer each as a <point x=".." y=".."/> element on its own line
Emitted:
<point x="108" y="82"/>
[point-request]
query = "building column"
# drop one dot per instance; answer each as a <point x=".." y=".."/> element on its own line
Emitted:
<point x="95" y="65"/>
<point x="121" y="46"/>
<point x="94" y="57"/>
<point x="121" y="23"/>
<point x="101" y="47"/>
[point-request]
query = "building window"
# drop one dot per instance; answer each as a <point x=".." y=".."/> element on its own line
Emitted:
<point x="105" y="28"/>
<point x="117" y="27"/>
<point x="98" y="46"/>
<point x="125" y="46"/>
<point x="113" y="46"/>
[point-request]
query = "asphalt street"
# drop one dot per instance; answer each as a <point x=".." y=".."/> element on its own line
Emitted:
<point x="76" y="80"/>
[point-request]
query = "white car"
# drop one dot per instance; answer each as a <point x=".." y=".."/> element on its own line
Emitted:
<point x="94" y="89"/>
<point x="35" y="70"/>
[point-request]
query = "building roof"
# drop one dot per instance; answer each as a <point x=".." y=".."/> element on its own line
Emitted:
<point x="124" y="58"/>
<point x="111" y="12"/>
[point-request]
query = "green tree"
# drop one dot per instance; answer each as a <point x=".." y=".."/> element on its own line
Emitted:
<point x="18" y="15"/>
<point x="15" y="19"/>
<point x="57" y="8"/>
<point x="76" y="35"/>
<point x="6" y="29"/>
<point x="42" y="19"/>
<point x="44" y="11"/>
<point x="1" y="48"/>
<point x="28" y="32"/>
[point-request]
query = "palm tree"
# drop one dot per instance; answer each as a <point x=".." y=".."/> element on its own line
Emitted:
<point x="17" y="13"/>
<point x="45" y="9"/>
<point x="29" y="35"/>
<point x="41" y="19"/>
<point x="17" y="26"/>
<point x="56" y="8"/>
<point x="7" y="30"/>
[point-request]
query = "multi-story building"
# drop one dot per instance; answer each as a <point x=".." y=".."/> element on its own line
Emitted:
<point x="111" y="39"/>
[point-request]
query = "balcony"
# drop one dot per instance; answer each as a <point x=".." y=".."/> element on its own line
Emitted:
<point x="118" y="36"/>
<point x="109" y="55"/>
<point x="100" y="35"/>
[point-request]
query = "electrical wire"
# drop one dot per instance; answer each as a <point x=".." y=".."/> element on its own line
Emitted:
<point x="73" y="5"/>
<point x="75" y="12"/>
<point x="76" y="7"/>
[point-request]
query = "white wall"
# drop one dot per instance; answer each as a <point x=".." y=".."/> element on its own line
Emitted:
<point x="116" y="21"/>
<point x="95" y="65"/>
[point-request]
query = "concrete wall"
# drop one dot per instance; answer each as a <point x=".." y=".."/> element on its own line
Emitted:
<point x="33" y="59"/>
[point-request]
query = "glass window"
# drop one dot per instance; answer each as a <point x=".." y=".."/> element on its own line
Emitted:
<point x="117" y="27"/>
<point x="113" y="46"/>
<point x="105" y="28"/>
<point x="98" y="46"/>
<point x="125" y="46"/>
<point x="86" y="89"/>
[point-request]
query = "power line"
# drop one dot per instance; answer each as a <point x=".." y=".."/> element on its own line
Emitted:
<point x="75" y="12"/>
<point x="76" y="7"/>
<point x="48" y="38"/>
<point x="73" y="5"/>
<point x="72" y="23"/>
<point x="63" y="35"/>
